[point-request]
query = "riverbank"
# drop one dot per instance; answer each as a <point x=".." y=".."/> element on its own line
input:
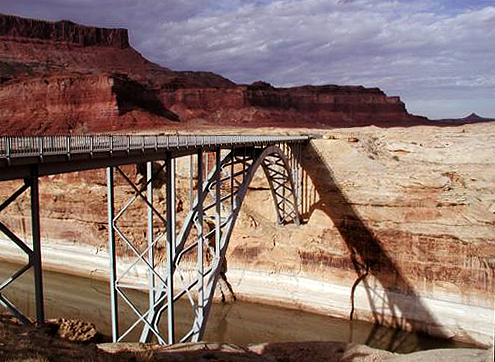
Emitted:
<point x="42" y="344"/>
<point x="293" y="291"/>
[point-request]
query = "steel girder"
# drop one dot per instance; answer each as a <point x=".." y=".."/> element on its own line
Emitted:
<point x="196" y="255"/>
<point x="33" y="253"/>
<point x="122" y="283"/>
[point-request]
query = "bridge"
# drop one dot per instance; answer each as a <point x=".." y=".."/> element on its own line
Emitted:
<point x="221" y="168"/>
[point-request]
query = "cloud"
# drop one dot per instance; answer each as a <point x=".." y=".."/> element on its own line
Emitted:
<point x="414" y="49"/>
<point x="421" y="50"/>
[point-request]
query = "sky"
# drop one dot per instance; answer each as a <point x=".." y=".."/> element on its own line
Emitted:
<point x="437" y="55"/>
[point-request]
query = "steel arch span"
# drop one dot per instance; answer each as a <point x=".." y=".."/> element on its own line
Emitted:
<point x="277" y="169"/>
<point x="196" y="255"/>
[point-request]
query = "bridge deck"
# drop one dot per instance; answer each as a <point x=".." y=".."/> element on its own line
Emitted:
<point x="49" y="155"/>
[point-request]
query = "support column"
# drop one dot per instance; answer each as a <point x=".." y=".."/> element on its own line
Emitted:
<point x="191" y="182"/>
<point x="218" y="200"/>
<point x="200" y="265"/>
<point x="111" y="250"/>
<point x="244" y="165"/>
<point x="174" y="206"/>
<point x="299" y="179"/>
<point x="35" y="224"/>
<point x="232" y="170"/>
<point x="150" y="237"/>
<point x="170" y="247"/>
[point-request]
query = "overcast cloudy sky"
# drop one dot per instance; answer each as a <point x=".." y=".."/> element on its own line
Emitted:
<point x="438" y="55"/>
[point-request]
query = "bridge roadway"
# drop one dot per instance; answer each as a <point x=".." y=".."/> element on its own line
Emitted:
<point x="61" y="154"/>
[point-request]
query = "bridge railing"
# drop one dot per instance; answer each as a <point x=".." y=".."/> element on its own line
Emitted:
<point x="39" y="146"/>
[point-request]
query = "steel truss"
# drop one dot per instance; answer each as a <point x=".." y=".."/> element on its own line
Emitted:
<point x="196" y="255"/>
<point x="33" y="253"/>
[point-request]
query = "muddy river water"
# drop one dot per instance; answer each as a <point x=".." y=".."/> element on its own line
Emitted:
<point x="239" y="323"/>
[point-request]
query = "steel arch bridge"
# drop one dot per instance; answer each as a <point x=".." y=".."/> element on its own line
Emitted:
<point x="218" y="200"/>
<point x="195" y="256"/>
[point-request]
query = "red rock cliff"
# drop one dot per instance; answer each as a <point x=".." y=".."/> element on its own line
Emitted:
<point x="33" y="52"/>
<point x="78" y="103"/>
<point x="62" y="31"/>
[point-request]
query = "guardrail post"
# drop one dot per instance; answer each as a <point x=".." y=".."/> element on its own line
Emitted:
<point x="67" y="144"/>
<point x="8" y="150"/>
<point x="42" y="139"/>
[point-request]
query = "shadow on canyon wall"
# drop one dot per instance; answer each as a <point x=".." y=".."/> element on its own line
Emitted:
<point x="396" y="304"/>
<point x="132" y="95"/>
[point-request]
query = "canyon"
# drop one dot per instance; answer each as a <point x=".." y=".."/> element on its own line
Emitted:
<point x="399" y="212"/>
<point x="398" y="229"/>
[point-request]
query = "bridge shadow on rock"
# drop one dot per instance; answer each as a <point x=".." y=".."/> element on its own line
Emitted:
<point x="392" y="298"/>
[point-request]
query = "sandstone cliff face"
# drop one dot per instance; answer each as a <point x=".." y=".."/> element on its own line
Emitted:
<point x="298" y="106"/>
<point x="399" y="228"/>
<point x="30" y="49"/>
<point x="63" y="31"/>
<point x="354" y="104"/>
<point x="78" y="103"/>
<point x="64" y="102"/>
<point x="25" y="50"/>
<point x="406" y="216"/>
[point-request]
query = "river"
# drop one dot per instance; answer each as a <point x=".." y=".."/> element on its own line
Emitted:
<point x="239" y="323"/>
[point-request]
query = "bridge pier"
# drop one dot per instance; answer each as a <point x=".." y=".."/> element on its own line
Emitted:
<point x="35" y="229"/>
<point x="170" y="229"/>
<point x="114" y="307"/>
<point x="33" y="253"/>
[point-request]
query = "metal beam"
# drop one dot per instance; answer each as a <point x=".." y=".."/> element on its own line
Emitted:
<point x="114" y="307"/>
<point x="14" y="196"/>
<point x="150" y="237"/>
<point x="173" y="205"/>
<point x="200" y="241"/>
<point x="35" y="225"/>
<point x="27" y="250"/>
<point x="13" y="309"/>
<point x="170" y="249"/>
<point x="218" y="200"/>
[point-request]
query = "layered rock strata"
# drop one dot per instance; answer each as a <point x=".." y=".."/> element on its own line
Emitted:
<point x="67" y="103"/>
<point x="63" y="31"/>
<point x="267" y="105"/>
<point x="33" y="49"/>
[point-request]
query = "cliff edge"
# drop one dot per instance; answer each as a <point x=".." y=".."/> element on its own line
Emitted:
<point x="62" y="31"/>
